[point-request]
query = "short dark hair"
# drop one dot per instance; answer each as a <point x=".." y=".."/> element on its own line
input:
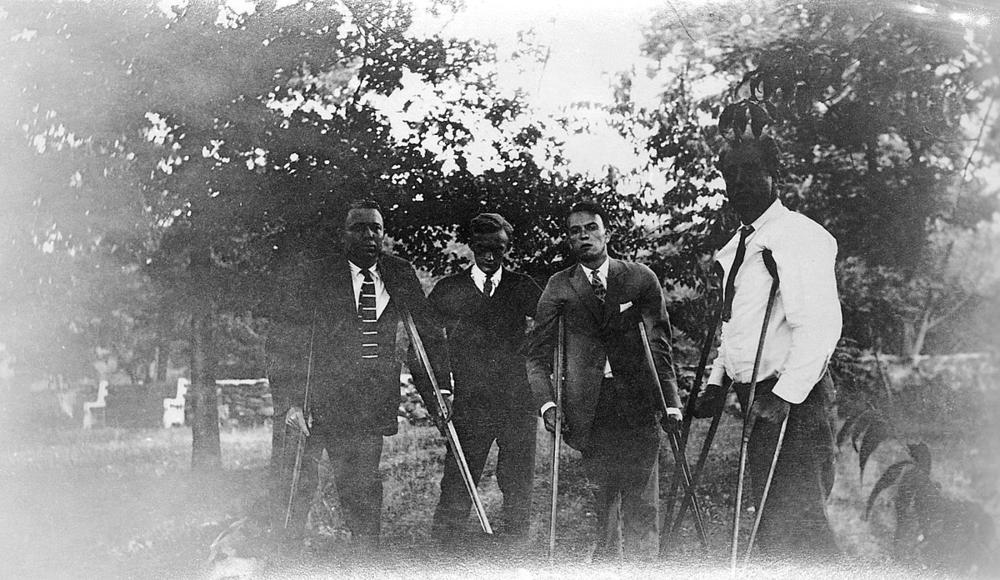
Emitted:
<point x="365" y="203"/>
<point x="488" y="223"/>
<point x="768" y="153"/>
<point x="588" y="206"/>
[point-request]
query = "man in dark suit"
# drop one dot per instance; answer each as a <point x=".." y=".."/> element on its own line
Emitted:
<point x="610" y="406"/>
<point x="485" y="311"/>
<point x="345" y="314"/>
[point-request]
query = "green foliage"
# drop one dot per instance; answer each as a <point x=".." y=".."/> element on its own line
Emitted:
<point x="209" y="149"/>
<point x="884" y="117"/>
<point x="931" y="529"/>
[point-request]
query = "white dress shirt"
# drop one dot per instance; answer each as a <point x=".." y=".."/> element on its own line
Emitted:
<point x="381" y="294"/>
<point x="479" y="278"/>
<point x="805" y="321"/>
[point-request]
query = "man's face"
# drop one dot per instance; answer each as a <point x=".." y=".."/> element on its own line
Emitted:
<point x="587" y="238"/>
<point x="489" y="250"/>
<point x="363" y="232"/>
<point x="748" y="184"/>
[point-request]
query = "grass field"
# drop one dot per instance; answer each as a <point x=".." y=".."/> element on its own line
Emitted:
<point x="123" y="504"/>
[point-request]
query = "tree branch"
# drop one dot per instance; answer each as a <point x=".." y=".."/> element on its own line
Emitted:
<point x="948" y="313"/>
<point x="979" y="137"/>
<point x="680" y="20"/>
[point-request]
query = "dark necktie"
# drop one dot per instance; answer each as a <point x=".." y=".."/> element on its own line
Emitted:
<point x="599" y="290"/>
<point x="741" y="251"/>
<point x="368" y="313"/>
<point x="488" y="287"/>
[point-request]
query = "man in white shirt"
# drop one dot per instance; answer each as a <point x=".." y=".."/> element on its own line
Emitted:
<point x="610" y="405"/>
<point x="802" y="333"/>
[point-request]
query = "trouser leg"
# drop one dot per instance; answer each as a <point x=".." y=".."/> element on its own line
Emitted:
<point x="516" y="469"/>
<point x="622" y="466"/>
<point x="794" y="522"/>
<point x="354" y="461"/>
<point x="476" y="435"/>
<point x="640" y="500"/>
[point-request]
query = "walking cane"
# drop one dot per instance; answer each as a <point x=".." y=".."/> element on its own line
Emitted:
<point x="675" y="447"/>
<point x="557" y="371"/>
<point x="773" y="270"/>
<point x="300" y="445"/>
<point x="669" y="524"/>
<point x="750" y="399"/>
<point x="452" y="435"/>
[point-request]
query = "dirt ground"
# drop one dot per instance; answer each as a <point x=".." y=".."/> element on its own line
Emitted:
<point x="122" y="504"/>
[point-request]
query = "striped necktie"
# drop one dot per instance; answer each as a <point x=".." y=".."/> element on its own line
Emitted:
<point x="488" y="287"/>
<point x="741" y="251"/>
<point x="599" y="290"/>
<point x="368" y="314"/>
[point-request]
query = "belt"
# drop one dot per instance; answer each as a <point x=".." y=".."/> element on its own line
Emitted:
<point x="763" y="385"/>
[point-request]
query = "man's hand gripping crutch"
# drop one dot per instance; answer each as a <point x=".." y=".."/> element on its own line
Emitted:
<point x="297" y="418"/>
<point x="558" y="372"/>
<point x="678" y="451"/>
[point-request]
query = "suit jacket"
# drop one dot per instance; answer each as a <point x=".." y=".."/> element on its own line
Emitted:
<point x="315" y="311"/>
<point x="595" y="332"/>
<point x="486" y="339"/>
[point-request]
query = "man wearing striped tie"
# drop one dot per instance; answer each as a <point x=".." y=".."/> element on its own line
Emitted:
<point x="609" y="400"/>
<point x="345" y="318"/>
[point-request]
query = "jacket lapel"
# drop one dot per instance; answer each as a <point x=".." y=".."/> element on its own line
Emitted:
<point x="581" y="285"/>
<point x="616" y="269"/>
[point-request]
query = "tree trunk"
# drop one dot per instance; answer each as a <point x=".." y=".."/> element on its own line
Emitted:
<point x="206" y="452"/>
<point x="161" y="364"/>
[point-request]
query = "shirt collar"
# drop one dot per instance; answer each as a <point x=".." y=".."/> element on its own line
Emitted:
<point x="480" y="277"/>
<point x="602" y="270"/>
<point x="356" y="270"/>
<point x="773" y="211"/>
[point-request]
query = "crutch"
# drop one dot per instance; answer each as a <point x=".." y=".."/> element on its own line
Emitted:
<point x="699" y="467"/>
<point x="558" y="372"/>
<point x="746" y="424"/>
<point x="675" y="447"/>
<point x="452" y="435"/>
<point x="300" y="445"/>
<point x="668" y="522"/>
<point x="773" y="270"/>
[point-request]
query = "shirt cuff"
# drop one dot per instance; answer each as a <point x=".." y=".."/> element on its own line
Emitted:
<point x="788" y="392"/>
<point x="674" y="412"/>
<point x="717" y="375"/>
<point x="546" y="407"/>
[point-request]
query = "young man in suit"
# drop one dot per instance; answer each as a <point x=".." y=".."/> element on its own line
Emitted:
<point x="342" y="319"/>
<point x="485" y="311"/>
<point x="802" y="332"/>
<point x="610" y="406"/>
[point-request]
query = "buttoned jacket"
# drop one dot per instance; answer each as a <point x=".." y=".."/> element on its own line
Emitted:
<point x="597" y="332"/>
<point x="316" y="312"/>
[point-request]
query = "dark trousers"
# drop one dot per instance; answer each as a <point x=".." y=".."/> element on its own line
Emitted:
<point x="622" y="468"/>
<point x="477" y="428"/>
<point x="354" y="464"/>
<point x="794" y="524"/>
